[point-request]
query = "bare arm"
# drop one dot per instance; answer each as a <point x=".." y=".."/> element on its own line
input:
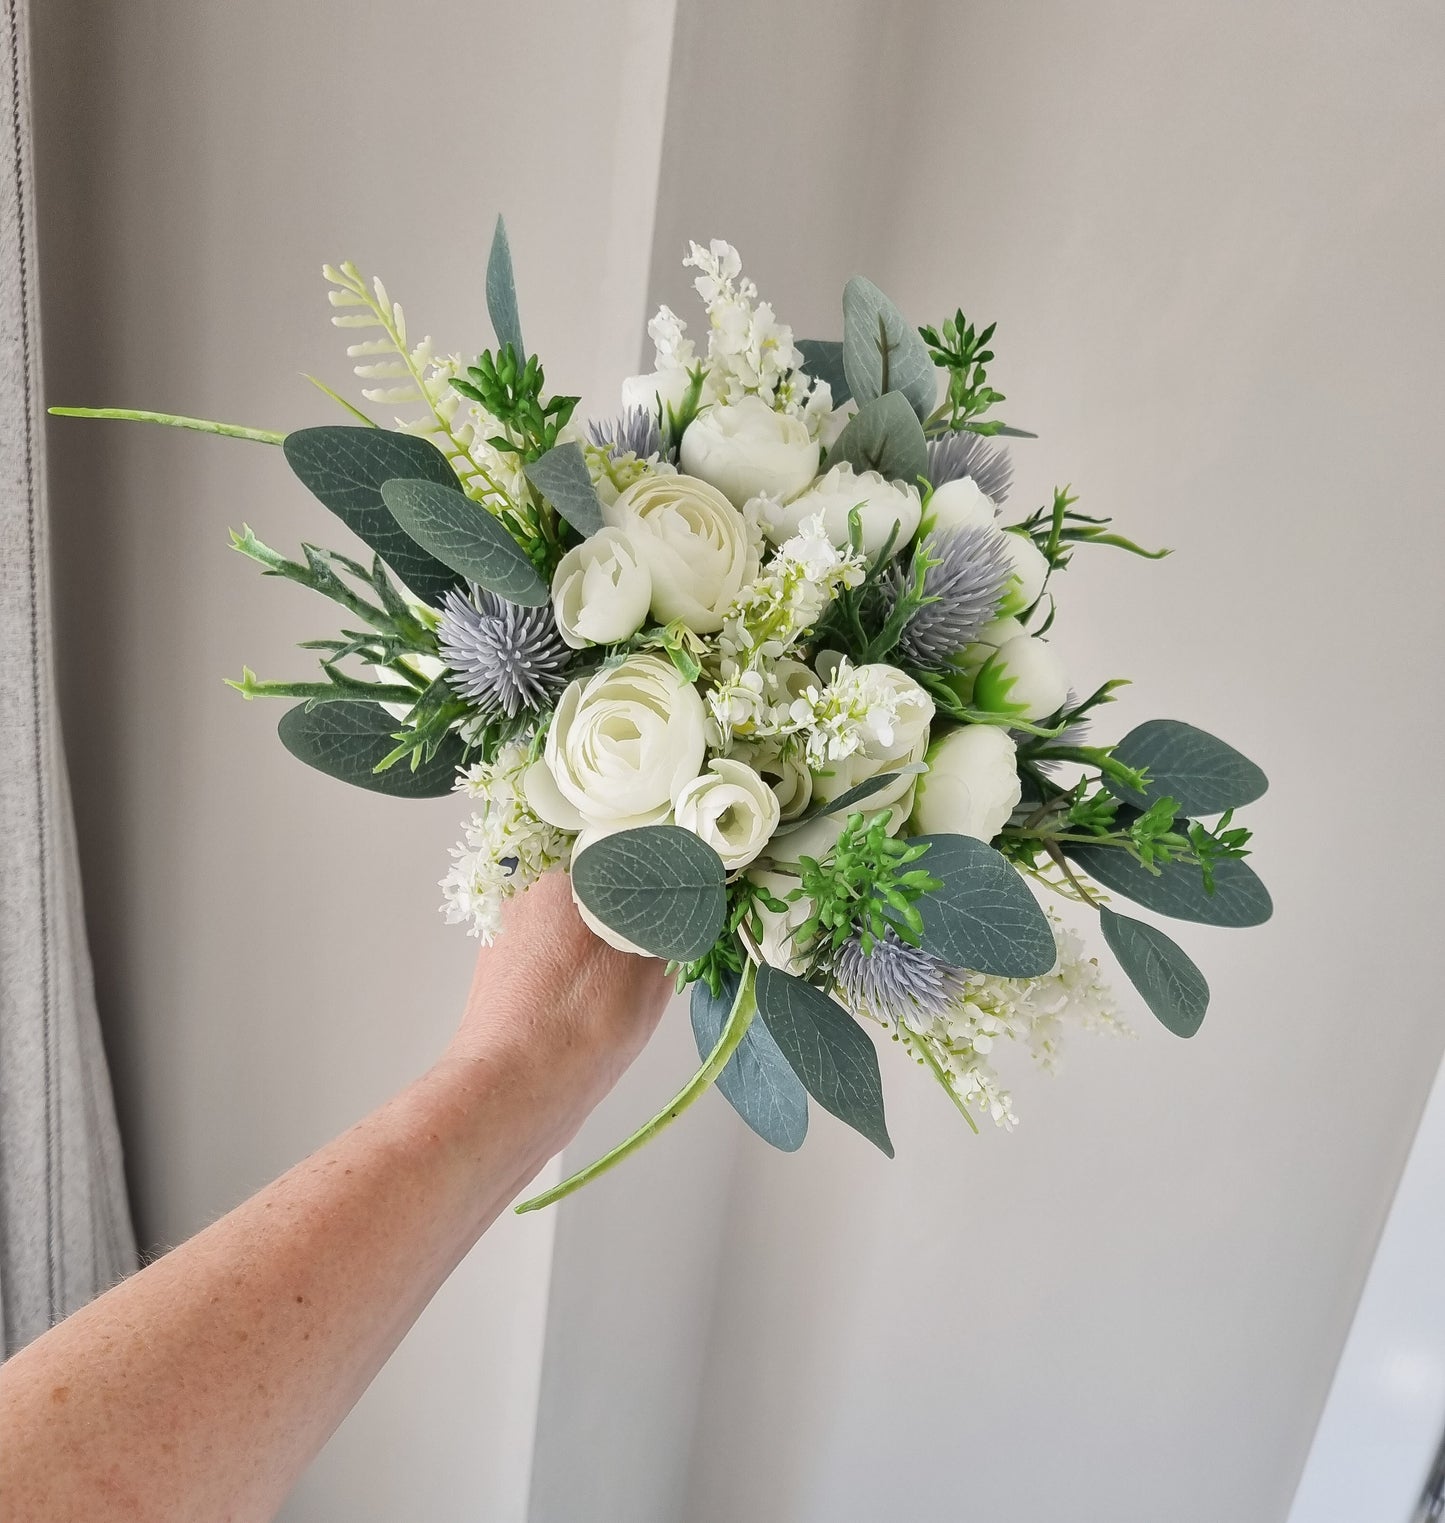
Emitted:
<point x="202" y="1386"/>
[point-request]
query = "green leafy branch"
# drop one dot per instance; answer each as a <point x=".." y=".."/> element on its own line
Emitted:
<point x="1057" y="529"/>
<point x="511" y="391"/>
<point x="962" y="350"/>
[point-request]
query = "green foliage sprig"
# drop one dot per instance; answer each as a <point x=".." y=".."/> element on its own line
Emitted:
<point x="1056" y="529"/>
<point x="962" y="350"/>
<point x="511" y="390"/>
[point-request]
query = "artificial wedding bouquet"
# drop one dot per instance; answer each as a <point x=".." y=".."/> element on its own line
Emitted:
<point x="764" y="663"/>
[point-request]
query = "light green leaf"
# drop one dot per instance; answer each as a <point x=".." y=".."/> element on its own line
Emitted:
<point x="347" y="740"/>
<point x="1200" y="773"/>
<point x="882" y="350"/>
<point x="463" y="535"/>
<point x="758" y="1081"/>
<point x="883" y="435"/>
<point x="345" y="468"/>
<point x="659" y="886"/>
<point x="1172" y="987"/>
<point x="823" y="360"/>
<point x="502" y="293"/>
<point x="562" y="477"/>
<point x="828" y="1051"/>
<point x="1239" y="898"/>
<point x="983" y="918"/>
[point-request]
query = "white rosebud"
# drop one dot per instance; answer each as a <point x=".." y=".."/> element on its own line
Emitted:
<point x="1024" y="678"/>
<point x="747" y="450"/>
<point x="990" y="637"/>
<point x="881" y="504"/>
<point x="957" y="504"/>
<point x="1031" y="570"/>
<point x="601" y="591"/>
<point x="971" y="786"/>
<point x="695" y="544"/>
<point x="776" y="943"/>
<point x="668" y="387"/>
<point x="731" y="808"/>
<point x="621" y="747"/>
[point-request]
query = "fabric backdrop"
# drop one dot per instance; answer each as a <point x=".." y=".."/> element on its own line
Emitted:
<point x="65" y="1231"/>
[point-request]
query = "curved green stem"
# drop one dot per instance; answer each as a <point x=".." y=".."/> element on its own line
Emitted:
<point x="745" y="1007"/>
<point x="200" y="425"/>
<point x="925" y="1052"/>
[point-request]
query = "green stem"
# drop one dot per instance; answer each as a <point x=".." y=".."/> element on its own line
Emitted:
<point x="735" y="1028"/>
<point x="200" y="425"/>
<point x="925" y="1052"/>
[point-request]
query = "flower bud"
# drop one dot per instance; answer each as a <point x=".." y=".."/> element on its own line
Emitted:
<point x="1023" y="678"/>
<point x="957" y="504"/>
<point x="971" y="786"/>
<point x="1031" y="570"/>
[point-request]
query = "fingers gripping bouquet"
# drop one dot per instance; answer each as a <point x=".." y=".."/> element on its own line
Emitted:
<point x="765" y="663"/>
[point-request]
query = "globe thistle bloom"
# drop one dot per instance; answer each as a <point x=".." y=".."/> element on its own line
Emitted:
<point x="634" y="433"/>
<point x="970" y="572"/>
<point x="503" y="657"/>
<point x="897" y="983"/>
<point x="966" y="454"/>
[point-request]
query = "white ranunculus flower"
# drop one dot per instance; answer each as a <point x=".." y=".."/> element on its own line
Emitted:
<point x="698" y="548"/>
<point x="776" y="943"/>
<point x="881" y="504"/>
<point x="599" y="928"/>
<point x="601" y="591"/>
<point x="731" y="808"/>
<point x="784" y="769"/>
<point x="622" y="746"/>
<point x="957" y="504"/>
<point x="747" y="450"/>
<point x="971" y="786"/>
<point x="1024" y="678"/>
<point x="1031" y="570"/>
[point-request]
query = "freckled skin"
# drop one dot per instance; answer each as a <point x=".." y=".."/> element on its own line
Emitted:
<point x="203" y="1385"/>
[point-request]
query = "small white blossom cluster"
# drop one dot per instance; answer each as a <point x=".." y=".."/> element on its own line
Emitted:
<point x="857" y="710"/>
<point x="1035" y="1012"/>
<point x="506" y="846"/>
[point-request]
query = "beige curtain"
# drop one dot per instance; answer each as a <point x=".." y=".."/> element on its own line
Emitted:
<point x="65" y="1231"/>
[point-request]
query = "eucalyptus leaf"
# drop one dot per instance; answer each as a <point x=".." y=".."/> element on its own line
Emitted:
<point x="828" y="1051"/>
<point x="823" y="360"/>
<point x="1172" y="987"/>
<point x="882" y="350"/>
<point x="758" y="1081"/>
<point x="562" y="477"/>
<point x="1239" y="898"/>
<point x="984" y="918"/>
<point x="502" y="293"/>
<point x="1202" y="774"/>
<point x="346" y="741"/>
<point x="466" y="537"/>
<point x="883" y="435"/>
<point x="345" y="467"/>
<point x="659" y="886"/>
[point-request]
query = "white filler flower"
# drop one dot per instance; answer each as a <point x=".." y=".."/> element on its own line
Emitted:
<point x="881" y="504"/>
<point x="748" y="450"/>
<point x="731" y="808"/>
<point x="971" y="786"/>
<point x="601" y="591"/>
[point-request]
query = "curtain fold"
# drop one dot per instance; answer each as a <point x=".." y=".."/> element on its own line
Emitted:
<point x="65" y="1230"/>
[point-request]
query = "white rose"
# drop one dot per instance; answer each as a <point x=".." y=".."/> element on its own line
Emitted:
<point x="645" y="391"/>
<point x="1024" y="678"/>
<point x="957" y="504"/>
<point x="601" y="591"/>
<point x="731" y="808"/>
<point x="881" y="504"/>
<point x="971" y="786"/>
<point x="1030" y="572"/>
<point x="747" y="450"/>
<point x="776" y="943"/>
<point x="622" y="746"/>
<point x="694" y="542"/>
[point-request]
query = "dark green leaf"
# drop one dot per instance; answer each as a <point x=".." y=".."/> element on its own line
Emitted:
<point x="347" y="740"/>
<point x="758" y="1082"/>
<point x="561" y="476"/>
<point x="502" y="293"/>
<point x="345" y="468"/>
<point x="659" y="886"/>
<point x="1172" y="987"/>
<point x="883" y="435"/>
<point x="465" y="536"/>
<point x="828" y="1051"/>
<point x="882" y="351"/>
<point x="1201" y="774"/>
<point x="823" y="360"/>
<point x="983" y="918"/>
<point x="1239" y="898"/>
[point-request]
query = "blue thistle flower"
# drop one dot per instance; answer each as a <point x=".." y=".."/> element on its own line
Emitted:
<point x="896" y="982"/>
<point x="634" y="433"/>
<point x="965" y="454"/>
<point x="503" y="657"/>
<point x="966" y="582"/>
